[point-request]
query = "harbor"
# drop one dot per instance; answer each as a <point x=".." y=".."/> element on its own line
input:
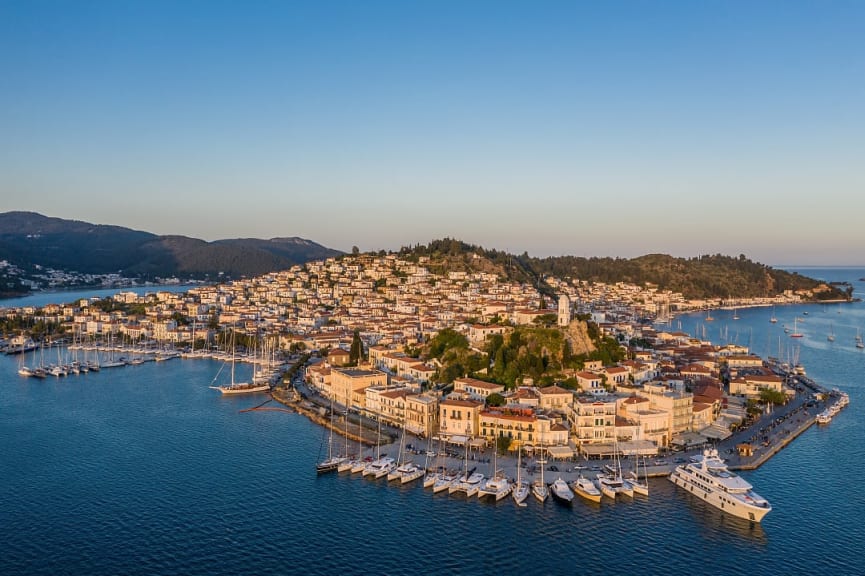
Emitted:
<point x="241" y="480"/>
<point x="149" y="450"/>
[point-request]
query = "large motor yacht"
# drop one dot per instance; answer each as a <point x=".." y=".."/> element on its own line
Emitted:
<point x="708" y="478"/>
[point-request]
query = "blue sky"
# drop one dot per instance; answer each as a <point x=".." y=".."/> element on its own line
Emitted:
<point x="585" y="128"/>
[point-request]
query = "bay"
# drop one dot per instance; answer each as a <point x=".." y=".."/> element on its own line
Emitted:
<point x="145" y="470"/>
<point x="66" y="296"/>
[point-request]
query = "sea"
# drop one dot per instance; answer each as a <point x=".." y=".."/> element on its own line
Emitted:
<point x="146" y="470"/>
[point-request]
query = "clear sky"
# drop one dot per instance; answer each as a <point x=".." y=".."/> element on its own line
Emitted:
<point x="595" y="128"/>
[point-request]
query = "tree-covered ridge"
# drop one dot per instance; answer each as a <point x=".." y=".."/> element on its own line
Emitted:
<point x="450" y="255"/>
<point x="28" y="239"/>
<point x="706" y="276"/>
<point x="542" y="354"/>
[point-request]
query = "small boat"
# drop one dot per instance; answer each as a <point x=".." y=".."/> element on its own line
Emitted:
<point x="604" y="488"/>
<point x="616" y="484"/>
<point x="539" y="489"/>
<point x="379" y="467"/>
<point x="796" y="333"/>
<point x="521" y="487"/>
<point x="521" y="492"/>
<point x="498" y="487"/>
<point x="561" y="491"/>
<point x="444" y="481"/>
<point x="405" y="473"/>
<point x="468" y="483"/>
<point x="639" y="486"/>
<point x="332" y="462"/>
<point x="359" y="466"/>
<point x="584" y="488"/>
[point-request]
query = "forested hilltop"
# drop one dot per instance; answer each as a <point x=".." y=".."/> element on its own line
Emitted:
<point x="700" y="277"/>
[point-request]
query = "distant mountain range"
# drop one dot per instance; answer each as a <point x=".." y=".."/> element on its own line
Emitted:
<point x="32" y="243"/>
<point x="28" y="239"/>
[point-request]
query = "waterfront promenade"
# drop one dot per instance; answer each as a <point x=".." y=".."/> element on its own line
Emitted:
<point x="766" y="436"/>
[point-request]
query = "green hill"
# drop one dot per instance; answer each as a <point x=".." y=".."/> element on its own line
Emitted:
<point x="28" y="239"/>
<point x="714" y="276"/>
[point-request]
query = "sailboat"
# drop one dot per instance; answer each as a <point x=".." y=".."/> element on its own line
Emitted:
<point x="773" y="319"/>
<point x="23" y="369"/>
<point x="332" y="462"/>
<point x="796" y="333"/>
<point x="239" y="387"/>
<point x="351" y="460"/>
<point x="709" y="316"/>
<point x="639" y="486"/>
<point x="612" y="481"/>
<point x="521" y="487"/>
<point x="735" y="313"/>
<point x="539" y="489"/>
<point x="360" y="463"/>
<point x="859" y="343"/>
<point x="497" y="486"/>
<point x="430" y="476"/>
<point x="470" y="481"/>
<point x="831" y="336"/>
<point x="405" y="470"/>
<point x="382" y="465"/>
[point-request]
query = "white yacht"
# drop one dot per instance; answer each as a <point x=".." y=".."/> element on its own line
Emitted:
<point x="561" y="491"/>
<point x="586" y="488"/>
<point x="708" y="478"/>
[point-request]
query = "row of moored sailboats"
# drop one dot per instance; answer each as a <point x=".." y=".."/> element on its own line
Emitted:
<point x="471" y="483"/>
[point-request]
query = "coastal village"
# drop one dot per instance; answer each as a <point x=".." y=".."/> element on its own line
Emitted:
<point x="672" y="392"/>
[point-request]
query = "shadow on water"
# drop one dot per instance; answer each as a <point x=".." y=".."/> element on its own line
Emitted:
<point x="720" y="526"/>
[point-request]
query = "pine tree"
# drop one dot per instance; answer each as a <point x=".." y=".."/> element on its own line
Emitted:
<point x="355" y="354"/>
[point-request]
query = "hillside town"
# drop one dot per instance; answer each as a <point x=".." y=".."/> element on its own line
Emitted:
<point x="673" y="390"/>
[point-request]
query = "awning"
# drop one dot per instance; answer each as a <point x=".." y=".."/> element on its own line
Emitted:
<point x="714" y="432"/>
<point x="638" y="448"/>
<point x="477" y="443"/>
<point x="688" y="439"/>
<point x="560" y="452"/>
<point x="457" y="440"/>
<point x="598" y="450"/>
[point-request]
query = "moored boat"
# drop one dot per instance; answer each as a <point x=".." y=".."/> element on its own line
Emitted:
<point x="498" y="487"/>
<point x="709" y="479"/>
<point x="561" y="491"/>
<point x="585" y="488"/>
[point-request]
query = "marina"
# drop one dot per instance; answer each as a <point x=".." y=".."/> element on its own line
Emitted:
<point x="242" y="470"/>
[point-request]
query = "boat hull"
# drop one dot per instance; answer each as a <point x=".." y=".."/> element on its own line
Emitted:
<point x="730" y="506"/>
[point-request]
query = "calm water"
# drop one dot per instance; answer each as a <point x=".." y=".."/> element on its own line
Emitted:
<point x="65" y="296"/>
<point x="144" y="470"/>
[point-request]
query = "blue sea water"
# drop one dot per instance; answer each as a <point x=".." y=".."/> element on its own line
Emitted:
<point x="66" y="296"/>
<point x="145" y="470"/>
